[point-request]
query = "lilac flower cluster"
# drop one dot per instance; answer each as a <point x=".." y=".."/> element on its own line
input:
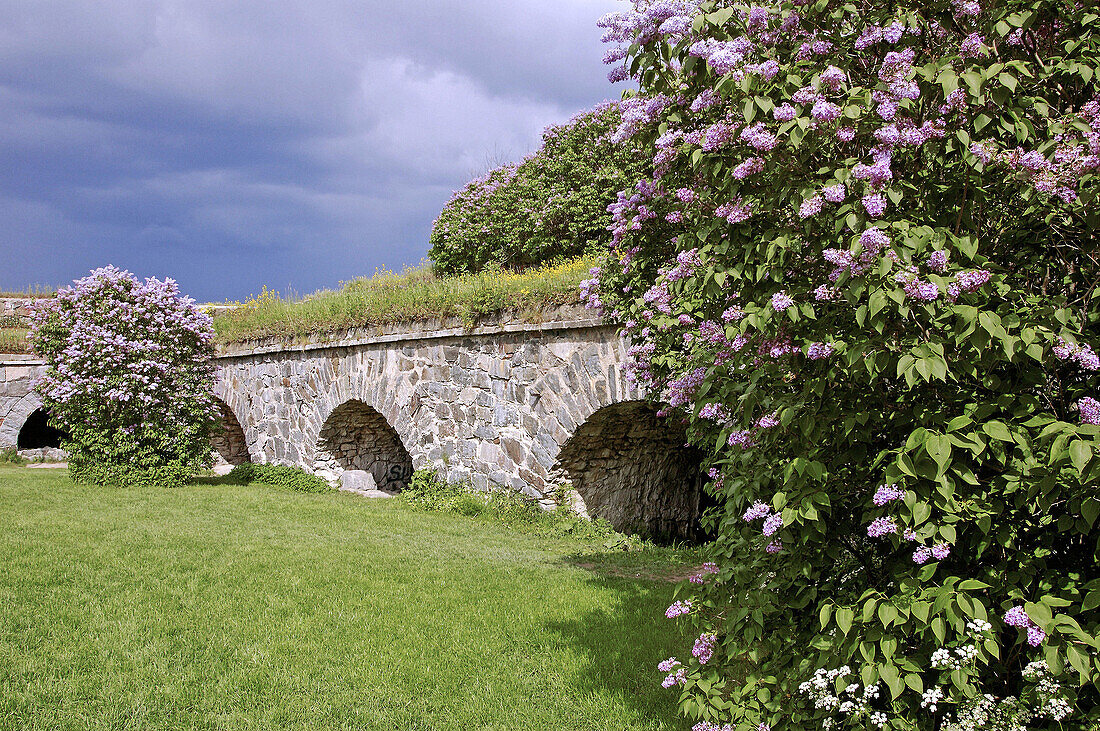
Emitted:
<point x="887" y="493"/>
<point x="678" y="609"/>
<point x="677" y="673"/>
<point x="1089" y="408"/>
<point x="1018" y="617"/>
<point x="882" y="527"/>
<point x="703" y="649"/>
<point x="1081" y="354"/>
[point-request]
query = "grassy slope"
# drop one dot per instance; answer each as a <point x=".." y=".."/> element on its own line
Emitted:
<point x="414" y="295"/>
<point x="220" y="607"/>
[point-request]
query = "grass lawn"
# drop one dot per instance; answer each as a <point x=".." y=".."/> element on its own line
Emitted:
<point x="229" y="607"/>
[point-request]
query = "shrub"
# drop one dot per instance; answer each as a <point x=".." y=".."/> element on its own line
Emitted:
<point x="11" y="456"/>
<point x="549" y="207"/>
<point x="293" y="478"/>
<point x="866" y="272"/>
<point x="128" y="378"/>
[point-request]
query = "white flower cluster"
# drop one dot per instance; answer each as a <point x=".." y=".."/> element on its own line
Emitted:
<point x="850" y="701"/>
<point x="944" y="659"/>
<point x="988" y="713"/>
<point x="976" y="627"/>
<point x="931" y="697"/>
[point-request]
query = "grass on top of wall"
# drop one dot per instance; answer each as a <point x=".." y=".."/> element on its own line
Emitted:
<point x="415" y="294"/>
<point x="14" y="340"/>
<point x="248" y="607"/>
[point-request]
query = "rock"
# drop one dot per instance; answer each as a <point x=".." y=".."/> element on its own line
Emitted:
<point x="357" y="481"/>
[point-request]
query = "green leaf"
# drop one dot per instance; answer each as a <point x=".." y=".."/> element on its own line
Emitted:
<point x="844" y="619"/>
<point x="1080" y="453"/>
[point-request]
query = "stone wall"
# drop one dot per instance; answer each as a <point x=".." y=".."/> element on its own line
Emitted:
<point x="528" y="406"/>
<point x="17" y="400"/>
<point x="631" y="467"/>
<point x="15" y="312"/>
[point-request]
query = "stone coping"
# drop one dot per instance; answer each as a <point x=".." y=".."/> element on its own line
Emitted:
<point x="563" y="318"/>
<point x="20" y="359"/>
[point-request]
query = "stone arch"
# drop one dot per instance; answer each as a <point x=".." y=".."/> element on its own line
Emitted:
<point x="38" y="433"/>
<point x="229" y="441"/>
<point x="356" y="436"/>
<point x="631" y="468"/>
<point x="15" y="419"/>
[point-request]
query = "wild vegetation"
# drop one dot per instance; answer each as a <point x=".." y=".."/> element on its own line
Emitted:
<point x="416" y="294"/>
<point x="866" y="271"/>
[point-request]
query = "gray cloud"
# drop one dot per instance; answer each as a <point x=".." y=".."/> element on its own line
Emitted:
<point x="282" y="142"/>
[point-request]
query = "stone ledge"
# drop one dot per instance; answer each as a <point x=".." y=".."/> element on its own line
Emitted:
<point x="563" y="318"/>
<point x="20" y="359"/>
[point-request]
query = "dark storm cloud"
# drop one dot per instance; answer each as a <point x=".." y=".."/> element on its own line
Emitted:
<point x="283" y="142"/>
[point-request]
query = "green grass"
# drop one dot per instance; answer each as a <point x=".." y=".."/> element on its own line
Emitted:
<point x="416" y="294"/>
<point x="14" y="340"/>
<point x="246" y="607"/>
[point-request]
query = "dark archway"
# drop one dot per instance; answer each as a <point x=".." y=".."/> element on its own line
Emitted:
<point x="631" y="468"/>
<point x="357" y="437"/>
<point x="229" y="440"/>
<point x="37" y="433"/>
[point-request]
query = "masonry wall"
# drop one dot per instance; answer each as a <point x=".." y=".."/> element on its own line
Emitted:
<point x="17" y="401"/>
<point x="542" y="408"/>
<point x="492" y="407"/>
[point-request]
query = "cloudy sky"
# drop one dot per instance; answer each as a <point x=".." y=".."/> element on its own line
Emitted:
<point x="294" y="143"/>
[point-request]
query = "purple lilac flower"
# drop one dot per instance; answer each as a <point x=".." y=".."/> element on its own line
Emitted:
<point x="940" y="551"/>
<point x="887" y="493"/>
<point x="910" y="534"/>
<point x="825" y="112"/>
<point x="846" y="134"/>
<point x="835" y="193"/>
<point x="677" y="609"/>
<point x="784" y="113"/>
<point x="1035" y="635"/>
<point x="921" y="556"/>
<point x="1089" y="409"/>
<point x="1017" y="617"/>
<point x="819" y="351"/>
<point x="781" y="301"/>
<point x="937" y="261"/>
<point x="667" y="666"/>
<point x="882" y="527"/>
<point x="772" y="524"/>
<point x="811" y="206"/>
<point x="874" y="204"/>
<point x="832" y="78"/>
<point x="703" y="649"/>
<point x="972" y="280"/>
<point x="749" y="167"/>
<point x="679" y="677"/>
<point x="774" y="547"/>
<point x="758" y="510"/>
<point x="742" y="438"/>
<point x="767" y="422"/>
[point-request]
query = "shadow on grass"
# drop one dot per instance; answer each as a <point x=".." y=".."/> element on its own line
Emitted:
<point x="219" y="480"/>
<point x="623" y="641"/>
<point x="667" y="565"/>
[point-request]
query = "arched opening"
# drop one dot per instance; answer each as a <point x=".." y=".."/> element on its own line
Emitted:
<point x="357" y="437"/>
<point x="631" y="468"/>
<point x="229" y="442"/>
<point x="38" y="433"/>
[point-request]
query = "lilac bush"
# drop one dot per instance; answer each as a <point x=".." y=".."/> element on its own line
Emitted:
<point x="551" y="205"/>
<point x="865" y="271"/>
<point x="129" y="378"/>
